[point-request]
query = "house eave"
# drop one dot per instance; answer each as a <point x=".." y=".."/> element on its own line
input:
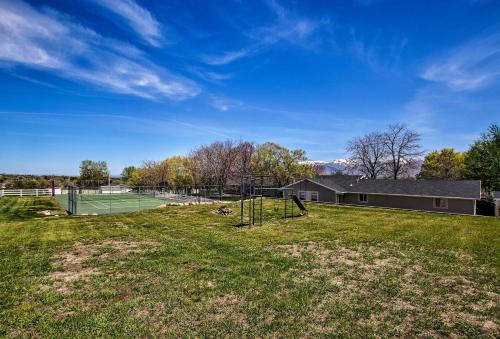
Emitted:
<point x="317" y="183"/>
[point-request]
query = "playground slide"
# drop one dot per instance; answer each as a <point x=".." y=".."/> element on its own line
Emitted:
<point x="299" y="203"/>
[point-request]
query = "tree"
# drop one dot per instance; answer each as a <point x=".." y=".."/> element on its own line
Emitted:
<point x="137" y="179"/>
<point x="153" y="173"/>
<point x="281" y="163"/>
<point x="193" y="166"/>
<point x="317" y="169"/>
<point x="93" y="173"/>
<point x="444" y="164"/>
<point x="179" y="174"/>
<point x="482" y="160"/>
<point x="127" y="173"/>
<point x="243" y="162"/>
<point x="216" y="163"/>
<point x="368" y="154"/>
<point x="403" y="150"/>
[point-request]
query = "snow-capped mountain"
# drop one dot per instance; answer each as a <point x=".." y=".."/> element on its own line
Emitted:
<point x="341" y="166"/>
<point x="329" y="167"/>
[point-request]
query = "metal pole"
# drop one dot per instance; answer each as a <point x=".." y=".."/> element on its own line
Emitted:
<point x="241" y="200"/>
<point x="261" y="208"/>
<point x="284" y="198"/>
<point x="261" y="194"/>
<point x="253" y="211"/>
<point x="249" y="204"/>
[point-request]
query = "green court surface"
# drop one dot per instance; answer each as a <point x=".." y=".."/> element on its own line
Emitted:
<point x="91" y="205"/>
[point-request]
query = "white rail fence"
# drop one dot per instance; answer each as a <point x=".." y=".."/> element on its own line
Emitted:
<point x="35" y="192"/>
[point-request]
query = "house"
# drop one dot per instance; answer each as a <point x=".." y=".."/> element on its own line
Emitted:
<point x="451" y="196"/>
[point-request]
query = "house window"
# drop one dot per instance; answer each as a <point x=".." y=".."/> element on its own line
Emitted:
<point x="314" y="196"/>
<point x="302" y="195"/>
<point x="363" y="198"/>
<point x="440" y="203"/>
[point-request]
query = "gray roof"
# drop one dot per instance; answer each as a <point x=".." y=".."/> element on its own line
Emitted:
<point x="470" y="189"/>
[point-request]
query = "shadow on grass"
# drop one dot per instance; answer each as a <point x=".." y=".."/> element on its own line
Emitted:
<point x="17" y="208"/>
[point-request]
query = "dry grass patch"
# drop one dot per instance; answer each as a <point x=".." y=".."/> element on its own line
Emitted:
<point x="73" y="264"/>
<point x="395" y="284"/>
<point x="227" y="308"/>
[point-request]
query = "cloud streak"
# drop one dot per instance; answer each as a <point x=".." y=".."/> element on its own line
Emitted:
<point x="137" y="17"/>
<point x="50" y="41"/>
<point x="471" y="66"/>
<point x="224" y="104"/>
<point x="379" y="57"/>
<point x="287" y="27"/>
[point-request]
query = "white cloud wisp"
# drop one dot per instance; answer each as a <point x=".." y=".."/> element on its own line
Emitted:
<point x="50" y="41"/>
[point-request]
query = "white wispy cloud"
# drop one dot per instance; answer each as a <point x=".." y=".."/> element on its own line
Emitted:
<point x="379" y="57"/>
<point x="428" y="113"/>
<point x="50" y="41"/>
<point x="225" y="104"/>
<point x="209" y="76"/>
<point x="137" y="17"/>
<point x="470" y="66"/>
<point x="230" y="56"/>
<point x="287" y="27"/>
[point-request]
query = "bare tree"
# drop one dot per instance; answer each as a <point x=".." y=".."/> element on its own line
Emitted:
<point x="317" y="169"/>
<point x="368" y="154"/>
<point x="244" y="151"/>
<point x="403" y="150"/>
<point x="216" y="162"/>
<point x="154" y="173"/>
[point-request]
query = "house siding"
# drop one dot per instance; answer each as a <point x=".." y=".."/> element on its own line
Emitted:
<point x="324" y="194"/>
<point x="462" y="206"/>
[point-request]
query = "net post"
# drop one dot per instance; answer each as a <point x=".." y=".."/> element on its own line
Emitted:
<point x="284" y="199"/>
<point x="241" y="200"/>
<point x="249" y="205"/>
<point x="253" y="210"/>
<point x="261" y="200"/>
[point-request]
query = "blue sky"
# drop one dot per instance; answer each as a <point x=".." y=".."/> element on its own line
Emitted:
<point x="128" y="80"/>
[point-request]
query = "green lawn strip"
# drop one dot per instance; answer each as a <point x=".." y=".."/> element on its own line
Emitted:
<point x="16" y="208"/>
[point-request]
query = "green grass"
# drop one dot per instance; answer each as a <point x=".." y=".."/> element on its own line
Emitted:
<point x="186" y="271"/>
<point x="14" y="208"/>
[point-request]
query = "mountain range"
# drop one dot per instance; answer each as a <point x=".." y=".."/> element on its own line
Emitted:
<point x="330" y="167"/>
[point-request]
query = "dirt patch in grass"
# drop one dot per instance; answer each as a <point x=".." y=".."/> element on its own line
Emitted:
<point x="81" y="261"/>
<point x="214" y="311"/>
<point x="227" y="307"/>
<point x="394" y="284"/>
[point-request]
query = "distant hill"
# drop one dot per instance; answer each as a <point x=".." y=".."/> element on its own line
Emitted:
<point x="331" y="167"/>
<point x="340" y="166"/>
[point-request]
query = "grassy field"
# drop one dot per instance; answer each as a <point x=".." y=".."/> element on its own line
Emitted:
<point x="187" y="271"/>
